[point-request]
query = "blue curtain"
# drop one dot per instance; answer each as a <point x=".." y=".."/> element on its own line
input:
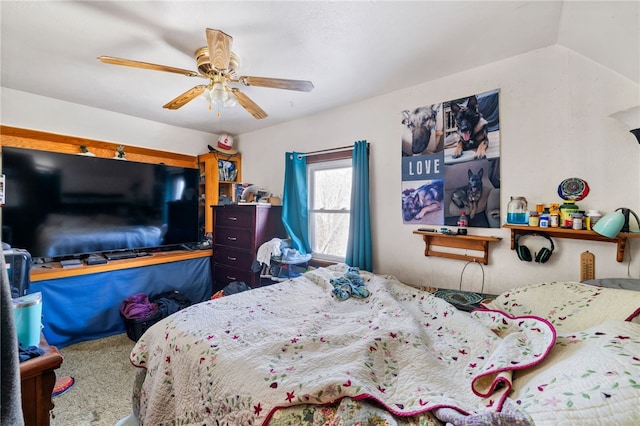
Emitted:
<point x="295" y="211"/>
<point x="359" y="242"/>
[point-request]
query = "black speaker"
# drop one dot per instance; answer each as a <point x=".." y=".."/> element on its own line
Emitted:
<point x="524" y="253"/>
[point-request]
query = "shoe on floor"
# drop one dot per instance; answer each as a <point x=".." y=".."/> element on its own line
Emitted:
<point x="62" y="385"/>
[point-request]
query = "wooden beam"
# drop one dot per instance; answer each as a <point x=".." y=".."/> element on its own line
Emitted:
<point x="44" y="141"/>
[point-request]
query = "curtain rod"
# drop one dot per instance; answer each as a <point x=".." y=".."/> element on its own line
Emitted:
<point x="325" y="151"/>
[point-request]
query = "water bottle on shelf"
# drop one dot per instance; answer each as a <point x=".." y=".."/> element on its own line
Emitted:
<point x="462" y="224"/>
<point x="517" y="213"/>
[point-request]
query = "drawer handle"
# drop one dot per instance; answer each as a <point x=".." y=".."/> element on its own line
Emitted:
<point x="232" y="218"/>
<point x="232" y="238"/>
<point x="233" y="259"/>
<point x="231" y="278"/>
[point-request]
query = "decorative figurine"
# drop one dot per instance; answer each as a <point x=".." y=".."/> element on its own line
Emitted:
<point x="120" y="152"/>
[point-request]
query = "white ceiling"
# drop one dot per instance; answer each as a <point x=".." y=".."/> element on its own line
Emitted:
<point x="351" y="51"/>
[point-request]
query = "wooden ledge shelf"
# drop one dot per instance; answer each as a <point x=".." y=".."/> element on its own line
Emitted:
<point x="465" y="242"/>
<point x="53" y="270"/>
<point x="576" y="234"/>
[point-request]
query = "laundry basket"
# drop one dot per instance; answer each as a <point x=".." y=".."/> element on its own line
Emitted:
<point x="282" y="269"/>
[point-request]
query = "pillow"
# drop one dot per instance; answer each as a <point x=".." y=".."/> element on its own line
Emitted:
<point x="626" y="283"/>
<point x="570" y="306"/>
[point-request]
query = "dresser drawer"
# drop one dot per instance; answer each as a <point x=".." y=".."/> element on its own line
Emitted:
<point x="223" y="275"/>
<point x="233" y="237"/>
<point x="231" y="257"/>
<point x="242" y="217"/>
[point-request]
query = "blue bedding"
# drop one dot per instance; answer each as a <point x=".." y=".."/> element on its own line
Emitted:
<point x="73" y="235"/>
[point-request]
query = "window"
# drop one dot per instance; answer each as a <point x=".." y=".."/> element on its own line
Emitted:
<point x="329" y="183"/>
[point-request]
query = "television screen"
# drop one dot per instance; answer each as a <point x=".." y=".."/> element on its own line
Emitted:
<point x="64" y="205"/>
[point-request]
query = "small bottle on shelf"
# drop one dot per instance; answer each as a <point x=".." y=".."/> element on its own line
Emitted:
<point x="577" y="220"/>
<point x="593" y="216"/>
<point x="544" y="218"/>
<point x="554" y="215"/>
<point x="462" y="224"/>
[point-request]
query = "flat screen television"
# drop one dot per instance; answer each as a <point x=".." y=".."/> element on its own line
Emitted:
<point x="65" y="205"/>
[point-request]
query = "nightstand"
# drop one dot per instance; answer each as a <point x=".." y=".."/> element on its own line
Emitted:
<point x="238" y="232"/>
<point x="37" y="380"/>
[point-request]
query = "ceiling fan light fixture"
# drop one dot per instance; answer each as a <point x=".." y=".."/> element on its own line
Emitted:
<point x="231" y="100"/>
<point x="218" y="94"/>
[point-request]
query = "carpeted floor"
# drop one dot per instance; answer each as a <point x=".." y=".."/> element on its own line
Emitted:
<point x="103" y="377"/>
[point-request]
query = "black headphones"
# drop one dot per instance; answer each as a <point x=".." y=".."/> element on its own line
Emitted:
<point x="524" y="253"/>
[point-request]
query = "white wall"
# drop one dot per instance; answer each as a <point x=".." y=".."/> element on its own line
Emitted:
<point x="554" y="108"/>
<point x="28" y="111"/>
<point x="554" y="124"/>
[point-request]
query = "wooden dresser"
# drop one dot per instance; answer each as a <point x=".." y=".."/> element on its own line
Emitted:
<point x="238" y="232"/>
<point x="37" y="380"/>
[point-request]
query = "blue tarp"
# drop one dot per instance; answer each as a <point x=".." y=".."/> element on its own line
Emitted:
<point x="87" y="307"/>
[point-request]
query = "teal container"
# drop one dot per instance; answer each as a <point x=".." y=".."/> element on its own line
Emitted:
<point x="517" y="212"/>
<point x="27" y="313"/>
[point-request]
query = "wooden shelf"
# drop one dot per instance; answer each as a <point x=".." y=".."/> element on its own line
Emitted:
<point x="468" y="242"/>
<point x="575" y="234"/>
<point x="211" y="187"/>
<point x="53" y="270"/>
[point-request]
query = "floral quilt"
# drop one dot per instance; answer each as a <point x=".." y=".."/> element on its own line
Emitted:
<point x="238" y="359"/>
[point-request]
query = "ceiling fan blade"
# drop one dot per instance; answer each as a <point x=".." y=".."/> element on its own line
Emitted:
<point x="277" y="83"/>
<point x="146" y="65"/>
<point x="219" y="49"/>
<point x="248" y="104"/>
<point x="187" y="96"/>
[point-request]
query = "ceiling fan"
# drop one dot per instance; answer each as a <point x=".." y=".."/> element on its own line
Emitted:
<point x="217" y="63"/>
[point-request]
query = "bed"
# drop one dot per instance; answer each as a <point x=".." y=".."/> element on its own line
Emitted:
<point x="64" y="234"/>
<point x="294" y="353"/>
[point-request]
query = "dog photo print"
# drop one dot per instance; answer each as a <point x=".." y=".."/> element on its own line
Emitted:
<point x="451" y="162"/>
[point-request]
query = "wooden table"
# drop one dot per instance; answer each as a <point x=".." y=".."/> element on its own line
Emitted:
<point x="38" y="379"/>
